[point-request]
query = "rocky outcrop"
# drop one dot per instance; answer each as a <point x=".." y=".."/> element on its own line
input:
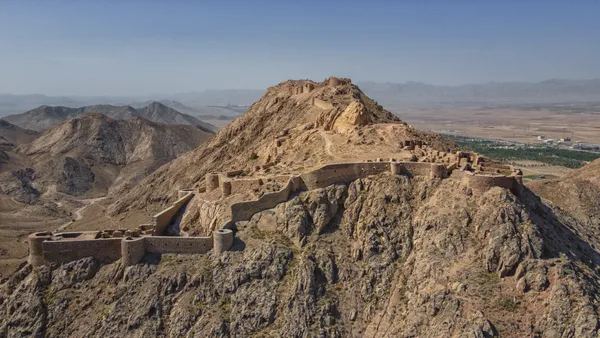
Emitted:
<point x="386" y="255"/>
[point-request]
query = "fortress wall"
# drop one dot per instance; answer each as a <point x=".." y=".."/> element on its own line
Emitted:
<point x="133" y="250"/>
<point x="321" y="104"/>
<point x="243" y="211"/>
<point x="417" y="168"/>
<point x="183" y="192"/>
<point x="107" y="250"/>
<point x="245" y="185"/>
<point x="180" y="245"/>
<point x="161" y="220"/>
<point x="342" y="173"/>
<point x="438" y="171"/>
<point x="481" y="183"/>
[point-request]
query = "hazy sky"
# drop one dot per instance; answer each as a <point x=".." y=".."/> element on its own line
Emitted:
<point x="145" y="47"/>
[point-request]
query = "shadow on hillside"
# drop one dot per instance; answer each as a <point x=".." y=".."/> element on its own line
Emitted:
<point x="238" y="245"/>
<point x="559" y="232"/>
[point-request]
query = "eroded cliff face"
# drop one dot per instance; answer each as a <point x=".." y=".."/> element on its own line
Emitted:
<point x="383" y="256"/>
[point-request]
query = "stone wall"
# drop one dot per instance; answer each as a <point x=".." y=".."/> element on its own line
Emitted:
<point x="179" y="245"/>
<point x="342" y="173"/>
<point x="481" y="183"/>
<point x="243" y="211"/>
<point x="133" y="250"/>
<point x="161" y="220"/>
<point x="106" y="250"/>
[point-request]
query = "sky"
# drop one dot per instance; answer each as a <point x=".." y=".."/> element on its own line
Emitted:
<point x="148" y="47"/>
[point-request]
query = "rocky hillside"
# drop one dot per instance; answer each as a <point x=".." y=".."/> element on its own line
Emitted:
<point x="89" y="154"/>
<point x="577" y="193"/>
<point x="12" y="136"/>
<point x="386" y="256"/>
<point x="45" y="117"/>
<point x="284" y="132"/>
<point x="383" y="256"/>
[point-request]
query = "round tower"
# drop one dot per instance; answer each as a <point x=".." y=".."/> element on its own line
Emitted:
<point x="132" y="250"/>
<point x="222" y="240"/>
<point x="36" y="249"/>
<point x="333" y="81"/>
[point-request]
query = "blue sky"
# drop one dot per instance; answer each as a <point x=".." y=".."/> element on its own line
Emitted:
<point x="145" y="47"/>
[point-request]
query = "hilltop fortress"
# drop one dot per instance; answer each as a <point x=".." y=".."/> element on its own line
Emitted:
<point x="221" y="199"/>
<point x="132" y="245"/>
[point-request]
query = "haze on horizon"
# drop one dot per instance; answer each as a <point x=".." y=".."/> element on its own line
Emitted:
<point x="141" y="47"/>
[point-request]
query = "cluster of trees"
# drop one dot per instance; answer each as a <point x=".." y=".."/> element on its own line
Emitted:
<point x="553" y="156"/>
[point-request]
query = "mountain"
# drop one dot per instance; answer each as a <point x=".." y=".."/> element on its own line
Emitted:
<point x="11" y="135"/>
<point x="578" y="193"/>
<point x="14" y="104"/>
<point x="91" y="153"/>
<point x="49" y="181"/>
<point x="388" y="254"/>
<point x="309" y="134"/>
<point x="45" y="117"/>
<point x="550" y="91"/>
<point x="202" y="112"/>
<point x="169" y="103"/>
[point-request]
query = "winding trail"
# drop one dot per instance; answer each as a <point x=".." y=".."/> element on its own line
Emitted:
<point x="78" y="212"/>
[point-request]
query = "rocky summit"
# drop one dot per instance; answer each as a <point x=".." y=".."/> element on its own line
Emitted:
<point x="348" y="222"/>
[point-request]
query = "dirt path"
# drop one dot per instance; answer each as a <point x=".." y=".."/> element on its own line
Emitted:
<point x="78" y="213"/>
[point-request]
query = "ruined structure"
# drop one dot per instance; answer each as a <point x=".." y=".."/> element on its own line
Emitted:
<point x="344" y="173"/>
<point x="129" y="245"/>
<point x="229" y="197"/>
<point x="479" y="173"/>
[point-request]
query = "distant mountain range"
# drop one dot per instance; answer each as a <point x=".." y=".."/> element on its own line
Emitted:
<point x="189" y="103"/>
<point x="550" y="91"/>
<point x="45" y="117"/>
<point x="218" y="102"/>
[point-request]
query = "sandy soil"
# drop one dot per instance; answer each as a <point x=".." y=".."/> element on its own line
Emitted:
<point x="506" y="124"/>
<point x="16" y="222"/>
